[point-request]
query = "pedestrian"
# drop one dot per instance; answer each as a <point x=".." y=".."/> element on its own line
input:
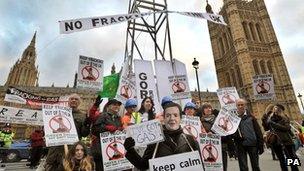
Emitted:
<point x="147" y="109"/>
<point x="278" y="124"/>
<point x="55" y="154"/>
<point x="37" y="144"/>
<point x="7" y="135"/>
<point x="248" y="138"/>
<point x="77" y="158"/>
<point x="190" y="109"/>
<point x="176" y="141"/>
<point x="160" y="116"/>
<point x="131" y="117"/>
<point x="109" y="121"/>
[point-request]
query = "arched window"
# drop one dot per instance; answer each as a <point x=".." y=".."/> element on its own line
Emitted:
<point x="263" y="67"/>
<point x="233" y="78"/>
<point x="228" y="79"/>
<point x="226" y="41"/>
<point x="246" y="30"/>
<point x="256" y="67"/>
<point x="252" y="31"/>
<point x="269" y="66"/>
<point x="260" y="34"/>
<point x="238" y="72"/>
<point x="222" y="46"/>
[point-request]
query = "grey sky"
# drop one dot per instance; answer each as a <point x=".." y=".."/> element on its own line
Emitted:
<point x="58" y="54"/>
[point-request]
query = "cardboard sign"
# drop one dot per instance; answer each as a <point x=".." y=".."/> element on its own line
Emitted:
<point x="191" y="125"/>
<point x="146" y="133"/>
<point x="211" y="151"/>
<point x="263" y="87"/>
<point x="113" y="151"/>
<point x="90" y="73"/>
<point x="227" y="97"/>
<point x="59" y="127"/>
<point x="190" y="161"/>
<point x="20" y="116"/>
<point x="226" y="122"/>
<point x="179" y="87"/>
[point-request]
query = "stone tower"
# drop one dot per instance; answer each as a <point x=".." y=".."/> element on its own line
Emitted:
<point x="24" y="72"/>
<point x="246" y="47"/>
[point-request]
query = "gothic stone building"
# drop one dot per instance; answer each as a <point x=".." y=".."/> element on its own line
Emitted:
<point x="246" y="47"/>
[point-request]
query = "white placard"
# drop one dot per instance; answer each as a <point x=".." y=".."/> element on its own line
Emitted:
<point x="59" y="127"/>
<point x="191" y="125"/>
<point x="179" y="87"/>
<point x="113" y="151"/>
<point x="20" y="116"/>
<point x="90" y="73"/>
<point x="226" y="122"/>
<point x="146" y="133"/>
<point x="263" y="87"/>
<point x="211" y="151"/>
<point x="227" y="97"/>
<point x="189" y="161"/>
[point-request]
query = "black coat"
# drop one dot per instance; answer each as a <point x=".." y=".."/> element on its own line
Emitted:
<point x="281" y="126"/>
<point x="175" y="143"/>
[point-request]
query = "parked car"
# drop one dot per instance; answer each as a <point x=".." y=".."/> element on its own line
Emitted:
<point x="20" y="149"/>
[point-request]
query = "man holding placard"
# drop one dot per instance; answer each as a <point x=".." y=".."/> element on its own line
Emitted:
<point x="175" y="143"/>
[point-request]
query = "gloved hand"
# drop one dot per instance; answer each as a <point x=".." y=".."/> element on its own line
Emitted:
<point x="261" y="150"/>
<point x="111" y="128"/>
<point x="129" y="143"/>
<point x="98" y="101"/>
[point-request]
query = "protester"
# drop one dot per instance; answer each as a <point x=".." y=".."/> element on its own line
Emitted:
<point x="109" y="121"/>
<point x="208" y="117"/>
<point x="248" y="138"/>
<point x="131" y="116"/>
<point x="190" y="109"/>
<point x="37" y="144"/>
<point x="56" y="153"/>
<point x="7" y="135"/>
<point x="165" y="100"/>
<point x="94" y="110"/>
<point x="279" y="125"/>
<point x="147" y="109"/>
<point x="173" y="144"/>
<point x="77" y="159"/>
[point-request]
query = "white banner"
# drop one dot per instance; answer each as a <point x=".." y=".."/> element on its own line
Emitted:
<point x="226" y="122"/>
<point x="113" y="151"/>
<point x="20" y="116"/>
<point x="145" y="82"/>
<point x="90" y="73"/>
<point x="263" y="87"/>
<point x="126" y="88"/>
<point x="190" y="161"/>
<point x="146" y="133"/>
<point x="211" y="151"/>
<point x="227" y="97"/>
<point x="81" y="24"/>
<point x="59" y="127"/>
<point x="191" y="125"/>
<point x="179" y="87"/>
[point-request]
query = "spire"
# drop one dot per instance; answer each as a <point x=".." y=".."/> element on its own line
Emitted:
<point x="113" y="69"/>
<point x="208" y="7"/>
<point x="75" y="80"/>
<point x="33" y="42"/>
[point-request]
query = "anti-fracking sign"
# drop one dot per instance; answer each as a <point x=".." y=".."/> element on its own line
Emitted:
<point x="20" y="116"/>
<point x="146" y="133"/>
<point x="226" y="122"/>
<point x="59" y="127"/>
<point x="263" y="87"/>
<point x="113" y="151"/>
<point x="211" y="151"/>
<point x="191" y="125"/>
<point x="179" y="87"/>
<point x="90" y="73"/>
<point x="227" y="97"/>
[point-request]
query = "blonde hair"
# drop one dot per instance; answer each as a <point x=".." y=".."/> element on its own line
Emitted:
<point x="269" y="108"/>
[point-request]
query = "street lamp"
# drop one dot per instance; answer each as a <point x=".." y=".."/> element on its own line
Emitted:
<point x="195" y="64"/>
<point x="300" y="97"/>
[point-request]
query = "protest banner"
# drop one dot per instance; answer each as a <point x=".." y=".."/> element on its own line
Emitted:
<point x="126" y="88"/>
<point x="20" y="116"/>
<point x="263" y="87"/>
<point x="190" y="161"/>
<point x="113" y="151"/>
<point x="90" y="73"/>
<point x="146" y="133"/>
<point x="179" y="87"/>
<point x="211" y="151"/>
<point x="226" y="122"/>
<point x="59" y="127"/>
<point x="191" y="125"/>
<point x="227" y="97"/>
<point x="145" y="82"/>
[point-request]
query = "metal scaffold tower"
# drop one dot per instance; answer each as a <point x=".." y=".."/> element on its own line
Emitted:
<point x="155" y="26"/>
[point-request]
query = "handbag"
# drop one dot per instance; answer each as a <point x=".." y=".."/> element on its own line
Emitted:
<point x="271" y="138"/>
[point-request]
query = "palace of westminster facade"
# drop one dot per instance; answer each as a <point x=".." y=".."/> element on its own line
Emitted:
<point x="246" y="47"/>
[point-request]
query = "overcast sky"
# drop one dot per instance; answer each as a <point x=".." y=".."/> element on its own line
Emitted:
<point x="58" y="54"/>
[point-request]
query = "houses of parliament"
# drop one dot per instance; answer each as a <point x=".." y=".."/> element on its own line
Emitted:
<point x="246" y="47"/>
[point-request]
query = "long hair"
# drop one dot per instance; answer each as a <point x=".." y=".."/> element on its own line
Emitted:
<point x="151" y="114"/>
<point x="85" y="164"/>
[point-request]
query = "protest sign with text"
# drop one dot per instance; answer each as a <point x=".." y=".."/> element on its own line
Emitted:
<point x="226" y="122"/>
<point x="227" y="97"/>
<point x="263" y="87"/>
<point x="191" y="125"/>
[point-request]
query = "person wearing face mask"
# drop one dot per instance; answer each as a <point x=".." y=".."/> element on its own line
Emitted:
<point x="77" y="159"/>
<point x="109" y="121"/>
<point x="176" y="141"/>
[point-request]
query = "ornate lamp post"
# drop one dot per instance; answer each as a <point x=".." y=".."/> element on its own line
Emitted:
<point x="195" y="65"/>
<point x="300" y="97"/>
